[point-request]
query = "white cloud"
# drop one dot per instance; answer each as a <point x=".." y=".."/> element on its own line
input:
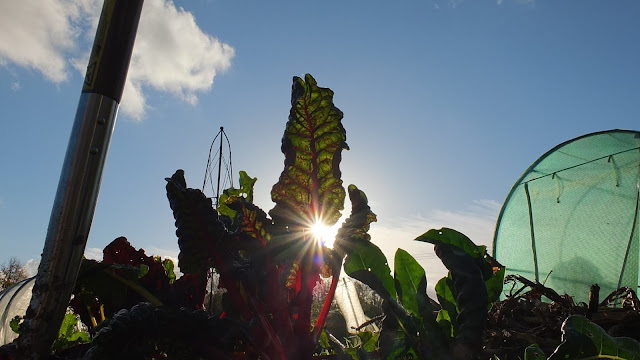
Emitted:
<point x="171" y="53"/>
<point x="93" y="253"/>
<point x="521" y="2"/>
<point x="32" y="266"/>
<point x="37" y="34"/>
<point x="476" y="221"/>
<point x="15" y="85"/>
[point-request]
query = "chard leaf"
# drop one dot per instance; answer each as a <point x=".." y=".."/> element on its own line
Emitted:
<point x="245" y="192"/>
<point x="393" y="343"/>
<point x="253" y="222"/>
<point x="310" y="187"/>
<point x="69" y="335"/>
<point x="369" y="340"/>
<point x="495" y="284"/>
<point x="452" y="237"/>
<point x="367" y="263"/>
<point x="169" y="268"/>
<point x="246" y="185"/>
<point x="197" y="223"/>
<point x="14" y="324"/>
<point x="583" y="339"/>
<point x="470" y="293"/>
<point x="444" y="321"/>
<point x="356" y="227"/>
<point x="411" y="282"/>
<point x="533" y="352"/>
<point x="446" y="298"/>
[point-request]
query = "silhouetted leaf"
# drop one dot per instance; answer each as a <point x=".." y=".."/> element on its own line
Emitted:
<point x="494" y="285"/>
<point x="533" y="352"/>
<point x="452" y="237"/>
<point x="470" y="293"/>
<point x="583" y="339"/>
<point x="449" y="311"/>
<point x="356" y="227"/>
<point x="410" y="280"/>
<point x="197" y="223"/>
<point x="367" y="257"/>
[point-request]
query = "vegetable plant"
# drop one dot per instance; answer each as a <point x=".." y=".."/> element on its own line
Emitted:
<point x="270" y="263"/>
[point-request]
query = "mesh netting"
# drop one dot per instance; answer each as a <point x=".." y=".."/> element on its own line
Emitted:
<point x="572" y="217"/>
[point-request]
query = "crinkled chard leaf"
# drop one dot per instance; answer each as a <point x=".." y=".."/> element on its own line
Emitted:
<point x="310" y="187"/>
<point x="583" y="339"/>
<point x="356" y="227"/>
<point x="197" y="223"/>
<point x="253" y="223"/>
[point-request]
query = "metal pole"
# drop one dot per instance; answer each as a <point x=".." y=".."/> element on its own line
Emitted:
<point x="219" y="168"/>
<point x="79" y="183"/>
<point x="533" y="233"/>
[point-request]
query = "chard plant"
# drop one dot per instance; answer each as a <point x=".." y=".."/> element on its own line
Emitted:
<point x="269" y="265"/>
<point x="135" y="308"/>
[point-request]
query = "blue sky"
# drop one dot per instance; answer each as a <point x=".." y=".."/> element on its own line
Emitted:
<point x="445" y="104"/>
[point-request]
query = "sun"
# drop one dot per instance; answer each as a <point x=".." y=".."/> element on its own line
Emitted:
<point x="325" y="234"/>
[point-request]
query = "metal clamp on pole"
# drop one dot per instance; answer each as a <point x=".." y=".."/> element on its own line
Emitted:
<point x="79" y="183"/>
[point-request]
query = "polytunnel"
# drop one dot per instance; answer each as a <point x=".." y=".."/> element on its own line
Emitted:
<point x="571" y="219"/>
<point x="14" y="301"/>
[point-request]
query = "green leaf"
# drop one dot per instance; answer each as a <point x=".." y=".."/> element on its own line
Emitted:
<point x="144" y="270"/>
<point x="533" y="352"/>
<point x="448" y="315"/>
<point x="445" y="296"/>
<point x="368" y="258"/>
<point x="246" y="185"/>
<point x="369" y="340"/>
<point x="230" y="195"/>
<point x="444" y="321"/>
<point x="583" y="339"/>
<point x="15" y="324"/>
<point x="494" y="285"/>
<point x="69" y="335"/>
<point x="452" y="237"/>
<point x="393" y="344"/>
<point x="253" y="221"/>
<point x="469" y="291"/>
<point x="310" y="188"/>
<point x="323" y="341"/>
<point x="410" y="280"/>
<point x="169" y="268"/>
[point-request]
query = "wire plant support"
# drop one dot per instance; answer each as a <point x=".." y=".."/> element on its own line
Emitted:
<point x="216" y="161"/>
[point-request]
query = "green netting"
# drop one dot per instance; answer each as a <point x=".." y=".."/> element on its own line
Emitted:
<point x="572" y="217"/>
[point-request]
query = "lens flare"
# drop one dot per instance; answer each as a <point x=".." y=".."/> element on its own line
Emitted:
<point x="325" y="234"/>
